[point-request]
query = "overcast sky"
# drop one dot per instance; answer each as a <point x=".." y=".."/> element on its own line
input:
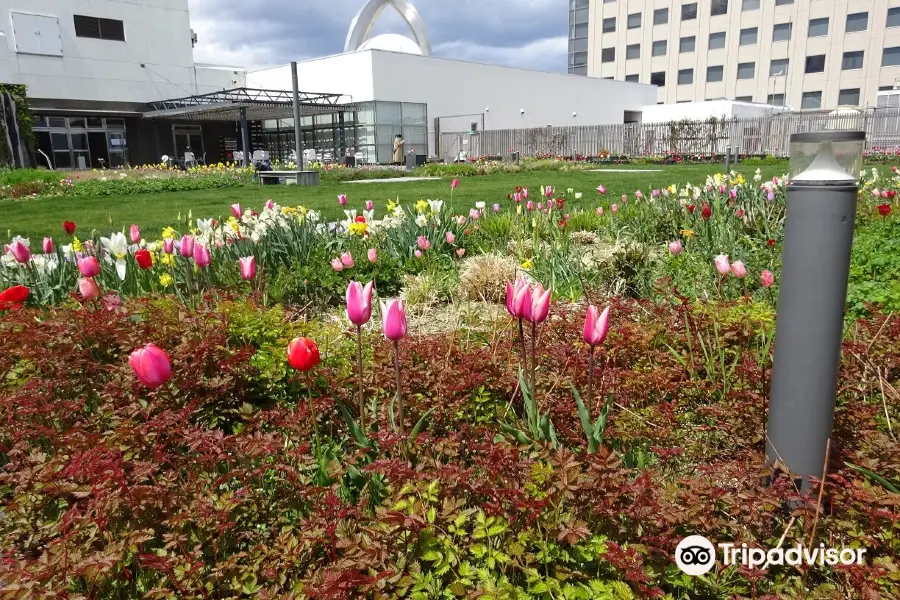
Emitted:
<point x="260" y="33"/>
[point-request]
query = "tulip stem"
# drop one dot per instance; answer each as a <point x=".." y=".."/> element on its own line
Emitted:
<point x="359" y="365"/>
<point x="533" y="360"/>
<point x="187" y="281"/>
<point x="524" y="348"/>
<point x="399" y="391"/>
<point x="590" y="389"/>
<point x="312" y="413"/>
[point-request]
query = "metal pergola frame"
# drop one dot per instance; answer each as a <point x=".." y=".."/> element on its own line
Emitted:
<point x="249" y="104"/>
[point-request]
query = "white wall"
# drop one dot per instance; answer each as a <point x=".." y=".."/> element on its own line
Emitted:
<point x="157" y="34"/>
<point x="348" y="74"/>
<point x="664" y="113"/>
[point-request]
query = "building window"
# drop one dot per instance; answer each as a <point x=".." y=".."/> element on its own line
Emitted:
<point x="852" y="60"/>
<point x="815" y="64"/>
<point x="634" y="20"/>
<point x="848" y="97"/>
<point x="718" y="7"/>
<point x="783" y="2"/>
<point x="658" y="78"/>
<point x="811" y="100"/>
<point x="744" y="98"/>
<point x="609" y="25"/>
<point x="608" y="1"/>
<point x="632" y="78"/>
<point x="689" y="11"/>
<point x="579" y="30"/>
<point x="632" y="51"/>
<point x="781" y="32"/>
<point x="893" y="17"/>
<point x="778" y="67"/>
<point x="717" y="40"/>
<point x="579" y="45"/>
<point x="818" y="27"/>
<point x="857" y="22"/>
<point x="890" y="57"/>
<point x="579" y="59"/>
<point x="775" y="99"/>
<point x="687" y="44"/>
<point x="579" y="16"/>
<point x="101" y="29"/>
<point x="579" y="3"/>
<point x="659" y="48"/>
<point x="746" y="70"/>
<point x="715" y="74"/>
<point x="578" y="70"/>
<point x="608" y="55"/>
<point x="660" y="16"/>
<point x="748" y="36"/>
<point x="685" y="76"/>
<point x="748" y="5"/>
<point x="885" y="88"/>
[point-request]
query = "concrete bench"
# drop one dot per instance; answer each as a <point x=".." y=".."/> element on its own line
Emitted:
<point x="301" y="177"/>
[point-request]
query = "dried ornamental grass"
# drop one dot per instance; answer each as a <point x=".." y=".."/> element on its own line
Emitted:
<point x="484" y="277"/>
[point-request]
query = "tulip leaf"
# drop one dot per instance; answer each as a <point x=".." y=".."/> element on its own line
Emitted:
<point x="355" y="430"/>
<point x="586" y="424"/>
<point x="420" y="424"/>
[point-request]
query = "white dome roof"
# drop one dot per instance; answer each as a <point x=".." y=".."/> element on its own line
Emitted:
<point x="392" y="42"/>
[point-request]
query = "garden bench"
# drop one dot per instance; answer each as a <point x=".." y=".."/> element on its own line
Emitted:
<point x="301" y="177"/>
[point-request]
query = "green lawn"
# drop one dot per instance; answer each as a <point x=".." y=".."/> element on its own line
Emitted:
<point x="36" y="218"/>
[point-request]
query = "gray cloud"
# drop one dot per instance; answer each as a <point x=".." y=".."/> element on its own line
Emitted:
<point x="258" y="33"/>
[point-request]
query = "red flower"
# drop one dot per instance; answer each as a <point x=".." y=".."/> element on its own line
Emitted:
<point x="69" y="227"/>
<point x="691" y="208"/>
<point x="467" y="231"/>
<point x="891" y="194"/>
<point x="562" y="223"/>
<point x="884" y="210"/>
<point x="302" y="354"/>
<point x="360" y="219"/>
<point x="509" y="196"/>
<point x="143" y="258"/>
<point x="13" y="297"/>
<point x="770" y="243"/>
<point x="705" y="212"/>
<point x="740" y="213"/>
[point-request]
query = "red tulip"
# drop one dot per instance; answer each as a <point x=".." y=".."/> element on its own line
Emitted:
<point x="13" y="297"/>
<point x="359" y="303"/>
<point x="454" y="183"/>
<point x="69" y="227"/>
<point x="151" y="365"/>
<point x="143" y="258"/>
<point x="596" y="326"/>
<point x="705" y="212"/>
<point x="302" y="354"/>
<point x="89" y="266"/>
<point x="884" y="210"/>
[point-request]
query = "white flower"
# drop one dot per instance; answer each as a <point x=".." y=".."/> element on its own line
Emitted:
<point x="24" y="241"/>
<point x="312" y="216"/>
<point x="44" y="264"/>
<point x="204" y="225"/>
<point x="369" y="215"/>
<point x="578" y="195"/>
<point x="436" y="205"/>
<point x="480" y="205"/>
<point x="8" y="261"/>
<point x="116" y="247"/>
<point x="421" y="221"/>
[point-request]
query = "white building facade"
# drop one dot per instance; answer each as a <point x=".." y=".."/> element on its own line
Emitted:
<point x="806" y="54"/>
<point x="90" y="65"/>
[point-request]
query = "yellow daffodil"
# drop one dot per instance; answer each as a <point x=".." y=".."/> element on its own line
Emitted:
<point x="527" y="264"/>
<point x="358" y="229"/>
<point x="168" y="260"/>
<point x="421" y="206"/>
<point x="672" y="189"/>
<point x="169" y="233"/>
<point x="391" y="206"/>
<point x="166" y="280"/>
<point x="740" y="179"/>
<point x="76" y="245"/>
<point x="687" y="233"/>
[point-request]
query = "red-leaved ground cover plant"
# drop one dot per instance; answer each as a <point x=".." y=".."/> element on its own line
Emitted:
<point x="240" y="477"/>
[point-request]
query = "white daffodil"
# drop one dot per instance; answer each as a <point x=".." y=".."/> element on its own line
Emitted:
<point x="8" y="261"/>
<point x="116" y="247"/>
<point x="421" y="220"/>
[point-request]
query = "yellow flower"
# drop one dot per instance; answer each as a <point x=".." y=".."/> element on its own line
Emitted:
<point x="360" y="229"/>
<point x="527" y="264"/>
<point x="76" y="245"/>
<point x="166" y="280"/>
<point x="672" y="189"/>
<point x="740" y="179"/>
<point x="391" y="206"/>
<point x="421" y="206"/>
<point x="169" y="233"/>
<point x="168" y="260"/>
<point x="688" y="233"/>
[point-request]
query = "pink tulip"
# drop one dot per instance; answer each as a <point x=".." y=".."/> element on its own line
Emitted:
<point x="373" y="255"/>
<point x="347" y="259"/>
<point x="540" y="206"/>
<point x="359" y="303"/>
<point x="517" y="295"/>
<point x="168" y="245"/>
<point x="770" y="196"/>
<point x="638" y="194"/>
<point x="247" y="265"/>
<point x="596" y="326"/>
<point x="738" y="269"/>
<point x="624" y="198"/>
<point x="495" y="208"/>
<point x="460" y="252"/>
<point x="599" y="211"/>
<point x="525" y="193"/>
<point x="269" y="205"/>
<point x="529" y="205"/>
<point x="461" y="220"/>
<point x="601" y="189"/>
<point x="417" y="253"/>
<point x="89" y="266"/>
<point x="201" y="256"/>
<point x="88" y="289"/>
<point x="517" y="197"/>
<point x="48" y="245"/>
<point x="135" y="233"/>
<point x="548" y="191"/>
<point x="186" y="246"/>
<point x="342" y="199"/>
<point x="20" y="251"/>
<point x="540" y="304"/>
<point x="675" y="248"/>
<point x="393" y="320"/>
<point x="151" y="365"/>
<point x="423" y="243"/>
<point x="236" y="211"/>
<point x="614" y="208"/>
<point x="722" y="188"/>
<point x="722" y="264"/>
<point x="766" y="278"/>
<point x="370" y="205"/>
<point x="337" y="265"/>
<point x="450" y="237"/>
<point x="454" y="183"/>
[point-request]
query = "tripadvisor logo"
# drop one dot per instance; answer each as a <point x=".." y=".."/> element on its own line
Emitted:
<point x="696" y="555"/>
